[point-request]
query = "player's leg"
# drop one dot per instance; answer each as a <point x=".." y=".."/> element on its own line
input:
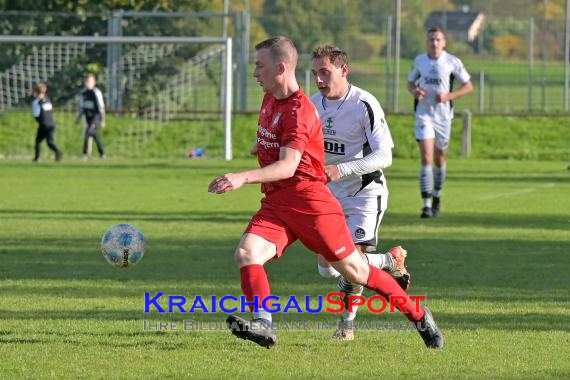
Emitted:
<point x="363" y="217"/>
<point x="252" y="252"/>
<point x="443" y="134"/>
<point x="86" y="139"/>
<point x="392" y="262"/>
<point x="357" y="271"/>
<point x="264" y="239"/>
<point x="353" y="209"/>
<point x="50" y="135"/>
<point x="425" y="135"/>
<point x="40" y="135"/>
<point x="325" y="269"/>
<point x="250" y="256"/>
<point x="344" y="330"/>
<point x="326" y="234"/>
<point x="98" y="142"/>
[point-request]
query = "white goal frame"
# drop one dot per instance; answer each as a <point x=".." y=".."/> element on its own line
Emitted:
<point x="227" y="70"/>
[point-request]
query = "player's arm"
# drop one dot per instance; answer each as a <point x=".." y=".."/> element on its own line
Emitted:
<point x="36" y="109"/>
<point x="463" y="76"/>
<point x="466" y="88"/>
<point x="80" y="110"/>
<point x="413" y="87"/>
<point x="284" y="168"/>
<point x="380" y="140"/>
<point x="377" y="160"/>
<point x="253" y="150"/>
<point x="100" y="106"/>
<point x="416" y="91"/>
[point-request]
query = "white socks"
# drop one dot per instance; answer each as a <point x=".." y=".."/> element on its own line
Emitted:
<point x="438" y="179"/>
<point x="426" y="184"/>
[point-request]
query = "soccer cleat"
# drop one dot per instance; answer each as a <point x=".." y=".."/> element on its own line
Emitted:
<point x="58" y="156"/>
<point x="430" y="333"/>
<point x="400" y="273"/>
<point x="435" y="207"/>
<point x="426" y="213"/>
<point x="258" y="331"/>
<point x="344" y="331"/>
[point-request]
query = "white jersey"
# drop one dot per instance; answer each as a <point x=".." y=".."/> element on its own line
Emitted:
<point x="436" y="76"/>
<point x="354" y="127"/>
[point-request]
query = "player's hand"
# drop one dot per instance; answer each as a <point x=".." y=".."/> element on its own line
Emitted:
<point x="332" y="173"/>
<point x="253" y="150"/>
<point x="419" y="93"/>
<point x="225" y="183"/>
<point x="442" y="97"/>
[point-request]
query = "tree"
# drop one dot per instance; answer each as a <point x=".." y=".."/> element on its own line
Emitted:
<point x="83" y="17"/>
<point x="313" y="22"/>
<point x="413" y="35"/>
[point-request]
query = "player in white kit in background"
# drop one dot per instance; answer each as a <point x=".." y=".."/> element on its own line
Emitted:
<point x="358" y="146"/>
<point x="430" y="81"/>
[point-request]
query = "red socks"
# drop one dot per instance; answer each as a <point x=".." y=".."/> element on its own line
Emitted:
<point x="383" y="284"/>
<point x="254" y="283"/>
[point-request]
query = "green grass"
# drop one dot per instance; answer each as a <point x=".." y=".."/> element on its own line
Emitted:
<point x="494" y="268"/>
<point x="505" y="137"/>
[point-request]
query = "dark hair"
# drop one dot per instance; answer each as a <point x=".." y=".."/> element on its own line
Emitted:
<point x="281" y="49"/>
<point x="336" y="55"/>
<point x="435" y="29"/>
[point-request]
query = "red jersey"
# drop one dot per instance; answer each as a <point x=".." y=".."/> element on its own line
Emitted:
<point x="293" y="123"/>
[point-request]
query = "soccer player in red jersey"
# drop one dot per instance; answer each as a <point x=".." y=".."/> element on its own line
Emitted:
<point x="297" y="202"/>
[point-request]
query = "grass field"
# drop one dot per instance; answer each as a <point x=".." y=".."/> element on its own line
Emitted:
<point x="506" y="137"/>
<point x="494" y="267"/>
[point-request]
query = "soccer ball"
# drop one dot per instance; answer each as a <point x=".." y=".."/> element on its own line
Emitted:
<point x="122" y="245"/>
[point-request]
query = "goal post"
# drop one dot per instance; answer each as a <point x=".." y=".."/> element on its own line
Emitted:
<point x="181" y="88"/>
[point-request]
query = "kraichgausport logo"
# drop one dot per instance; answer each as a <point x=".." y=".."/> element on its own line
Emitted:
<point x="274" y="304"/>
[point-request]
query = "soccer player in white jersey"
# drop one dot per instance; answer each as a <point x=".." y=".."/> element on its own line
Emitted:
<point x="358" y="146"/>
<point x="431" y="83"/>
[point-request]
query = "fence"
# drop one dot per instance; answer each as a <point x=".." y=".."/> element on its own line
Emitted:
<point x="518" y="62"/>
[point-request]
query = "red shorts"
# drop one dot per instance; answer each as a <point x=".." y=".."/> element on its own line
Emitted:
<point x="309" y="212"/>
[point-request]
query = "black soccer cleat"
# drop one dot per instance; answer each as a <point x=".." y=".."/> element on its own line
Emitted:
<point x="430" y="333"/>
<point x="404" y="281"/>
<point x="426" y="213"/>
<point x="258" y="331"/>
<point x="435" y="207"/>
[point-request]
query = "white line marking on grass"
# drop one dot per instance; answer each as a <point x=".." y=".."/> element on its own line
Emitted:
<point x="517" y="192"/>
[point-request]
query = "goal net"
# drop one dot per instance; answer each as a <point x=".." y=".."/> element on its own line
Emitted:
<point x="165" y="96"/>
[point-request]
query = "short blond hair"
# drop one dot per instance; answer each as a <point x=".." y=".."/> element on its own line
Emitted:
<point x="281" y="48"/>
